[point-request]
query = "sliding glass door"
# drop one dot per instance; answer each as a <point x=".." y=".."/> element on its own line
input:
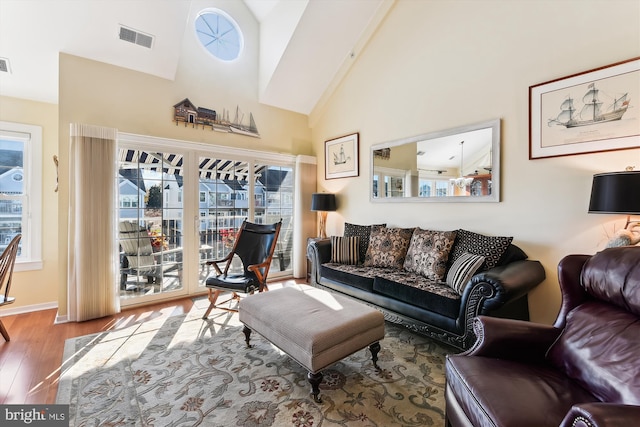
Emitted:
<point x="231" y="191"/>
<point x="150" y="233"/>
<point x="163" y="253"/>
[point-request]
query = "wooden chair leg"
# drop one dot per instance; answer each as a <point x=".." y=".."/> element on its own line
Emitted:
<point x="3" y="331"/>
<point x="213" y="296"/>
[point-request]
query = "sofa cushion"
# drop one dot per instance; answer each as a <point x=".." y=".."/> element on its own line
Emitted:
<point x="428" y="253"/>
<point x="357" y="276"/>
<point x="344" y="250"/>
<point x="388" y="247"/>
<point x="490" y="247"/>
<point x="599" y="348"/>
<point x="501" y="392"/>
<point x="362" y="231"/>
<point x="417" y="290"/>
<point x="462" y="270"/>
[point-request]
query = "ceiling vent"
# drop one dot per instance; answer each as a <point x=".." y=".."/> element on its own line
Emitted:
<point x="4" y="65"/>
<point x="136" y="37"/>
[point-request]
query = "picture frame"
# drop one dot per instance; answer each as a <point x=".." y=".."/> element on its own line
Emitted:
<point x="342" y="157"/>
<point x="588" y="112"/>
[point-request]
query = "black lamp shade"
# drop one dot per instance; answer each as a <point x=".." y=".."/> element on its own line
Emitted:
<point x="325" y="202"/>
<point x="616" y="193"/>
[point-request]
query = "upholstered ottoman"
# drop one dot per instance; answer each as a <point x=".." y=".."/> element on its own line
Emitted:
<point x="314" y="327"/>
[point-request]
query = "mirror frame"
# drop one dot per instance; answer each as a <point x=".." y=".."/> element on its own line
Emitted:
<point x="495" y="170"/>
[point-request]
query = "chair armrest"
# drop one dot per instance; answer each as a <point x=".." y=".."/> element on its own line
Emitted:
<point x="512" y="339"/>
<point x="601" y="414"/>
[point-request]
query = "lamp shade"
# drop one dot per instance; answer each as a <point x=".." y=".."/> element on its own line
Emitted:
<point x="616" y="193"/>
<point x="325" y="202"/>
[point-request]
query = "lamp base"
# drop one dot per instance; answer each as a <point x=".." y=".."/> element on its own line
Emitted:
<point x="323" y="225"/>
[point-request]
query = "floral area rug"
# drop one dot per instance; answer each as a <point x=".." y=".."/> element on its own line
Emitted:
<point x="184" y="371"/>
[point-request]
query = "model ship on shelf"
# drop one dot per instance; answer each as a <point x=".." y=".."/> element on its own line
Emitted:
<point x="186" y="112"/>
<point x="591" y="112"/>
<point x="238" y="127"/>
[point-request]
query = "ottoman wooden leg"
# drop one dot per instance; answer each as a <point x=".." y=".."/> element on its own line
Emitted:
<point x="315" y="380"/>
<point x="375" y="348"/>
<point x="247" y="335"/>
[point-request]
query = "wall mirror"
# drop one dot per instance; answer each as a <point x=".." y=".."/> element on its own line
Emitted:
<point x="453" y="165"/>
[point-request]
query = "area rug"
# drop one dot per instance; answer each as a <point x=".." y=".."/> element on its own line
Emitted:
<point x="184" y="371"/>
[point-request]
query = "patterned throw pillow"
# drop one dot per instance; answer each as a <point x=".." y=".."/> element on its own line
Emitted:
<point x="364" y="232"/>
<point x="344" y="250"/>
<point x="428" y="253"/>
<point x="388" y="247"/>
<point x="490" y="247"/>
<point x="463" y="270"/>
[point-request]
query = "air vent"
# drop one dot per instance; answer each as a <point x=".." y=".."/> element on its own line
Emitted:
<point x="4" y="65"/>
<point x="136" y="37"/>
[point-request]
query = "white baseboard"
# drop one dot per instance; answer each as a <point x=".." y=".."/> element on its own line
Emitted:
<point x="28" y="308"/>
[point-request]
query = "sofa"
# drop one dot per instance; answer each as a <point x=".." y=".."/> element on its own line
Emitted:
<point x="433" y="282"/>
<point x="584" y="370"/>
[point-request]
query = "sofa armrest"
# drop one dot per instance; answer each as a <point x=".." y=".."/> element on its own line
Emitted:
<point x="512" y="339"/>
<point x="491" y="289"/>
<point x="318" y="252"/>
<point x="600" y="414"/>
<point x="515" y="279"/>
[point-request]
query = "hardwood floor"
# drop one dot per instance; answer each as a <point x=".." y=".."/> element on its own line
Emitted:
<point x="30" y="362"/>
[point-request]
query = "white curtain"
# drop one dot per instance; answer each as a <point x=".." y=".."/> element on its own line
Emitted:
<point x="305" y="223"/>
<point x="92" y="288"/>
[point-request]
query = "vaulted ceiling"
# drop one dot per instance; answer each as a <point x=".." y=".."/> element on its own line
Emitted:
<point x="310" y="42"/>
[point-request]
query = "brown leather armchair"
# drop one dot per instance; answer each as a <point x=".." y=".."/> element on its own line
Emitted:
<point x="582" y="371"/>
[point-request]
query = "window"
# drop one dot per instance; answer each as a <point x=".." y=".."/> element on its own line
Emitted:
<point x="21" y="191"/>
<point x="219" y="34"/>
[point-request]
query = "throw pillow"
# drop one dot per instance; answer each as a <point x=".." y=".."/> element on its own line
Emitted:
<point x="490" y="247"/>
<point x="362" y="231"/>
<point x="344" y="250"/>
<point x="428" y="253"/>
<point x="463" y="270"/>
<point x="388" y="247"/>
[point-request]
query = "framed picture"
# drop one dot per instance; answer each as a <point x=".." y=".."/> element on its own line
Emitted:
<point x="593" y="111"/>
<point x="341" y="157"/>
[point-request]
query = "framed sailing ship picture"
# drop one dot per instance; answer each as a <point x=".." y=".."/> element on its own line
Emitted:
<point x="593" y="111"/>
<point x="341" y="157"/>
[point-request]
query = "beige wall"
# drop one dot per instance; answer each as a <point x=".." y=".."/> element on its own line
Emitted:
<point x="39" y="288"/>
<point x="433" y="65"/>
<point x="99" y="94"/>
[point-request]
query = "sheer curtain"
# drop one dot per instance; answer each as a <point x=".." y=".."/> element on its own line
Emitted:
<point x="93" y="290"/>
<point x="305" y="223"/>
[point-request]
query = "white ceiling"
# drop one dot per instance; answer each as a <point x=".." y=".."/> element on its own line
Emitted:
<point x="315" y="54"/>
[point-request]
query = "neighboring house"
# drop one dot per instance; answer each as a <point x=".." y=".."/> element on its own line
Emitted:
<point x="10" y="210"/>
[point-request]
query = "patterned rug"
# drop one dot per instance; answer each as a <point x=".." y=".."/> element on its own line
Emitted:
<point x="184" y="371"/>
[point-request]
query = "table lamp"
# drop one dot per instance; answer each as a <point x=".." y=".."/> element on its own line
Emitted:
<point x="323" y="203"/>
<point x="617" y="193"/>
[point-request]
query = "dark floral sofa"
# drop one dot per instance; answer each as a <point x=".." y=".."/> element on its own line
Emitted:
<point x="433" y="282"/>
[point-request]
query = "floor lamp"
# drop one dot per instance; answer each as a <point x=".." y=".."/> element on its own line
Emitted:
<point x="323" y="203"/>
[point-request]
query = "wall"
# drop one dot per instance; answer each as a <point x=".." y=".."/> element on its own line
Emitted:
<point x="434" y="65"/>
<point x="38" y="288"/>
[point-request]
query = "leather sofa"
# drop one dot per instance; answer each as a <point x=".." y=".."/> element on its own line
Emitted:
<point x="582" y="371"/>
<point x="428" y="307"/>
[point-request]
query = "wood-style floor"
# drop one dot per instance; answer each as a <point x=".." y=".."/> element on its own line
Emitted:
<point x="30" y="362"/>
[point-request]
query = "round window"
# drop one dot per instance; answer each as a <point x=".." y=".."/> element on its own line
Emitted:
<point x="219" y="34"/>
